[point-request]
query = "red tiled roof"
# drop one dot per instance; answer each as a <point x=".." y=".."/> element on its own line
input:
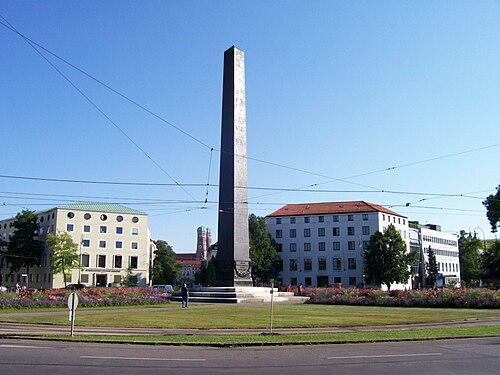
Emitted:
<point x="185" y="256"/>
<point x="194" y="263"/>
<point x="303" y="209"/>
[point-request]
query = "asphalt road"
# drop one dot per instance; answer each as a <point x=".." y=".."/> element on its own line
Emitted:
<point x="441" y="357"/>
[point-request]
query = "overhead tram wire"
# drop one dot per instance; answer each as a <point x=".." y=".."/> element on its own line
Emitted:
<point x="32" y="43"/>
<point x="97" y="107"/>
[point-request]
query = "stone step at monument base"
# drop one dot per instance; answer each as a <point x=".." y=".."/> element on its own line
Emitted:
<point x="238" y="295"/>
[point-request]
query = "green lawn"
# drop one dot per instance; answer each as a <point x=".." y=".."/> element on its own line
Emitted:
<point x="257" y="316"/>
<point x="290" y="339"/>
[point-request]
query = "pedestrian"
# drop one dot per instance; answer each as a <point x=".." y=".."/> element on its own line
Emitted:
<point x="299" y="289"/>
<point x="185" y="295"/>
<point x="289" y="288"/>
<point x="18" y="288"/>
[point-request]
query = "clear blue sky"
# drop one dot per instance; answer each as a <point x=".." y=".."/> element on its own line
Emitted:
<point x="337" y="89"/>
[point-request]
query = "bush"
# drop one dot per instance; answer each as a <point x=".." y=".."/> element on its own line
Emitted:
<point x="460" y="298"/>
<point x="93" y="297"/>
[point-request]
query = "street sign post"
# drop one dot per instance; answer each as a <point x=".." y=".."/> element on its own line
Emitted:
<point x="72" y="304"/>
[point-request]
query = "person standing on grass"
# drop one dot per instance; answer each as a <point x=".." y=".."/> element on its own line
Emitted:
<point x="300" y="289"/>
<point x="185" y="295"/>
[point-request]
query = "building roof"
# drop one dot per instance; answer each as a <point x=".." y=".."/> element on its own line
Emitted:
<point x="324" y="208"/>
<point x="185" y="256"/>
<point x="101" y="207"/>
<point x="192" y="263"/>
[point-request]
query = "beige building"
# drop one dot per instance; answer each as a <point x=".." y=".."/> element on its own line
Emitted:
<point x="112" y="238"/>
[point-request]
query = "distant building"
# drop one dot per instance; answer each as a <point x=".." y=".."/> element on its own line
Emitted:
<point x="322" y="244"/>
<point x="111" y="238"/>
<point x="445" y="247"/>
<point x="189" y="267"/>
<point x="204" y="240"/>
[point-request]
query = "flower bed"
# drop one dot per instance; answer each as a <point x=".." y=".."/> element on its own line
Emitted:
<point x="460" y="298"/>
<point x="93" y="297"/>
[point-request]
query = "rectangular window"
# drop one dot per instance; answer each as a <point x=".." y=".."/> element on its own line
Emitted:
<point x="337" y="264"/>
<point x="135" y="231"/>
<point x="366" y="230"/>
<point x="307" y="219"/>
<point x="351" y="245"/>
<point x="322" y="264"/>
<point x="307" y="232"/>
<point x="365" y="245"/>
<point x="134" y="245"/>
<point x="279" y="233"/>
<point x="117" y="279"/>
<point x="383" y="217"/>
<point x="280" y="265"/>
<point x="86" y="243"/>
<point x="321" y="246"/>
<point x="308" y="264"/>
<point x="101" y="261"/>
<point x="350" y="217"/>
<point x="119" y="230"/>
<point x="134" y="261"/>
<point x="365" y="217"/>
<point x="279" y="248"/>
<point x="67" y="278"/>
<point x="352" y="280"/>
<point x="293" y="247"/>
<point x="335" y="218"/>
<point x="351" y="263"/>
<point x="293" y="233"/>
<point x="336" y="231"/>
<point x="308" y="282"/>
<point x="118" y="244"/>
<point x="321" y="232"/>
<point x="350" y="231"/>
<point x="102" y="244"/>
<point x="292" y="220"/>
<point x="85" y="278"/>
<point x="293" y="264"/>
<point x="307" y="246"/>
<point x="336" y="246"/>
<point x="293" y="281"/>
<point x="103" y="229"/>
<point x="70" y="227"/>
<point x="321" y="219"/>
<point x="86" y="228"/>
<point x="85" y="260"/>
<point x="278" y="220"/>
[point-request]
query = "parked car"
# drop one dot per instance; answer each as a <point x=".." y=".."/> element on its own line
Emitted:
<point x="166" y="289"/>
<point x="75" y="286"/>
<point x="3" y="289"/>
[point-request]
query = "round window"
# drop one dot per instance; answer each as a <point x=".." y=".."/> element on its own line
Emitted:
<point x="71" y="215"/>
<point x="135" y="219"/>
<point x="104" y="217"/>
<point x="87" y="216"/>
<point x="119" y="218"/>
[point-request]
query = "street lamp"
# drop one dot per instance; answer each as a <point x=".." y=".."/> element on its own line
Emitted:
<point x="484" y="237"/>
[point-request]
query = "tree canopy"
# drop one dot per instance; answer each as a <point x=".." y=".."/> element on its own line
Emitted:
<point x="263" y="250"/>
<point x="386" y="258"/>
<point x="63" y="253"/>
<point x="492" y="204"/>
<point x="468" y="252"/>
<point x="431" y="268"/>
<point x="490" y="261"/>
<point x="165" y="269"/>
<point x="23" y="249"/>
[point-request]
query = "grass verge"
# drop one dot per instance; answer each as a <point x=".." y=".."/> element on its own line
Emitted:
<point x="287" y="339"/>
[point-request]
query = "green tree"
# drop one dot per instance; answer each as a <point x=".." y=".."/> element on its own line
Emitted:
<point x="492" y="204"/>
<point x="130" y="279"/>
<point x="205" y="275"/>
<point x="23" y="249"/>
<point x="470" y="262"/>
<point x="386" y="258"/>
<point x="263" y="250"/>
<point x="165" y="268"/>
<point x="490" y="261"/>
<point x="431" y="268"/>
<point x="63" y="253"/>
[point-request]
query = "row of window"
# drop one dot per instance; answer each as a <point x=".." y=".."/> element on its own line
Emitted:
<point x="118" y="244"/>
<point x="438" y="240"/>
<point x="133" y="261"/>
<point x="32" y="278"/>
<point x="399" y="219"/>
<point x="351" y="231"/>
<point x="321" y="264"/>
<point x="448" y="267"/>
<point x="336" y="280"/>
<point x="445" y="253"/>
<point x="321" y="218"/>
<point x="103" y="217"/>
<point x="307" y="246"/>
<point x="103" y="229"/>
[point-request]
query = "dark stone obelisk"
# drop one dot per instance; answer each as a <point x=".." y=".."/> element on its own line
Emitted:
<point x="232" y="263"/>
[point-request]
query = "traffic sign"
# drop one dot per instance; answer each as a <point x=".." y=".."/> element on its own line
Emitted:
<point x="72" y="301"/>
